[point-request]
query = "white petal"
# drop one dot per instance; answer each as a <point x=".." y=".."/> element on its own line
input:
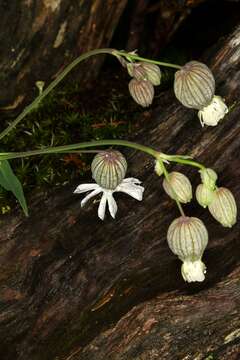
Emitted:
<point x="112" y="205"/>
<point x="131" y="181"/>
<point x="102" y="206"/>
<point x="85" y="187"/>
<point x="214" y="112"/>
<point x="193" y="270"/>
<point x="89" y="196"/>
<point x="132" y="188"/>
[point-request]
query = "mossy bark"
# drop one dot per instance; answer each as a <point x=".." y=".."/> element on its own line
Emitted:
<point x="74" y="287"/>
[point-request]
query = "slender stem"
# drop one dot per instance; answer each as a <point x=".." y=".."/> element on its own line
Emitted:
<point x="136" y="57"/>
<point x="165" y="172"/>
<point x="59" y="149"/>
<point x="55" y="82"/>
<point x="52" y="85"/>
<point x="187" y="162"/>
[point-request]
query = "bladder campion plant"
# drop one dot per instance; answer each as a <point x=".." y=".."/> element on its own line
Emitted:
<point x="194" y="87"/>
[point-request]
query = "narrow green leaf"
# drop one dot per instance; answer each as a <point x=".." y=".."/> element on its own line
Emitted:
<point x="10" y="182"/>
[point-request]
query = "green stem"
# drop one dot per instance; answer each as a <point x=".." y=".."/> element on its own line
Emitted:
<point x="59" y="149"/>
<point x="136" y="57"/>
<point x="187" y="162"/>
<point x="53" y="84"/>
<point x="165" y="172"/>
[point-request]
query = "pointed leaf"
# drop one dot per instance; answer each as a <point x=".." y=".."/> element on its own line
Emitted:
<point x="10" y="182"/>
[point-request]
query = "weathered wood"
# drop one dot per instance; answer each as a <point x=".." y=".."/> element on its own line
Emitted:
<point x="73" y="287"/>
<point x="39" y="37"/>
<point x="165" y="18"/>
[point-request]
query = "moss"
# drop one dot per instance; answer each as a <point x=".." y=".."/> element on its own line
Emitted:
<point x="69" y="115"/>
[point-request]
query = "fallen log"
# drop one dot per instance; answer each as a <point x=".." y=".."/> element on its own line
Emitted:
<point x="40" y="37"/>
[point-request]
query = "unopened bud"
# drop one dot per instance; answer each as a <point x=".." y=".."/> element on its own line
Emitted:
<point x="153" y="73"/>
<point x="137" y="71"/>
<point x="109" y="169"/>
<point x="187" y="238"/>
<point x="158" y="168"/>
<point x="142" y="92"/>
<point x="223" y="207"/>
<point x="194" y="85"/>
<point x="204" y="195"/>
<point x="178" y="186"/>
<point x="209" y="178"/>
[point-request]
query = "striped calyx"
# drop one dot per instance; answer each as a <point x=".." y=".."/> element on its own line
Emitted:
<point x="194" y="85"/>
<point x="204" y="195"/>
<point x="178" y="186"/>
<point x="109" y="169"/>
<point x="187" y="238"/>
<point x="208" y="177"/>
<point x="136" y="71"/>
<point x="145" y="71"/>
<point x="223" y="207"/>
<point x="153" y="73"/>
<point x="142" y="91"/>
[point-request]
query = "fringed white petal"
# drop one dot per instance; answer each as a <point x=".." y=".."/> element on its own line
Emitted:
<point x="89" y="196"/>
<point x="131" y="187"/>
<point x="210" y="115"/>
<point x="102" y="206"/>
<point x="193" y="270"/>
<point x="112" y="205"/>
<point x="85" y="187"/>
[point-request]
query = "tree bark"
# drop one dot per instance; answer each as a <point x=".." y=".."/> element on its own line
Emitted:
<point x="40" y="37"/>
<point x="73" y="287"/>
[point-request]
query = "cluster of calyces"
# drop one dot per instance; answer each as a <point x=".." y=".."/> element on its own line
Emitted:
<point x="220" y="201"/>
<point x="144" y="77"/>
<point x="187" y="236"/>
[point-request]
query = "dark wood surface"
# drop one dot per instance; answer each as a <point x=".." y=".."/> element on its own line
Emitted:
<point x="38" y="38"/>
<point x="73" y="287"/>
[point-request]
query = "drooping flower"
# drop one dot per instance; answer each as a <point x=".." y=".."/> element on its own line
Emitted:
<point x="194" y="87"/>
<point x="187" y="238"/>
<point x="214" y="112"/>
<point x="108" y="170"/>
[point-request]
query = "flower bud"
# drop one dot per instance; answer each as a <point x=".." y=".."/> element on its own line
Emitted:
<point x="204" y="195"/>
<point x="109" y="169"/>
<point x="137" y="71"/>
<point x="178" y="186"/>
<point x="158" y="168"/>
<point x="142" y="92"/>
<point x="145" y="71"/>
<point x="209" y="178"/>
<point x="187" y="238"/>
<point x="223" y="207"/>
<point x="214" y="112"/>
<point x="153" y="73"/>
<point x="194" y="85"/>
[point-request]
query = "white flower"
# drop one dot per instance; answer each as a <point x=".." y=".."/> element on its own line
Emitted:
<point x="129" y="186"/>
<point x="214" y="112"/>
<point x="193" y="270"/>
